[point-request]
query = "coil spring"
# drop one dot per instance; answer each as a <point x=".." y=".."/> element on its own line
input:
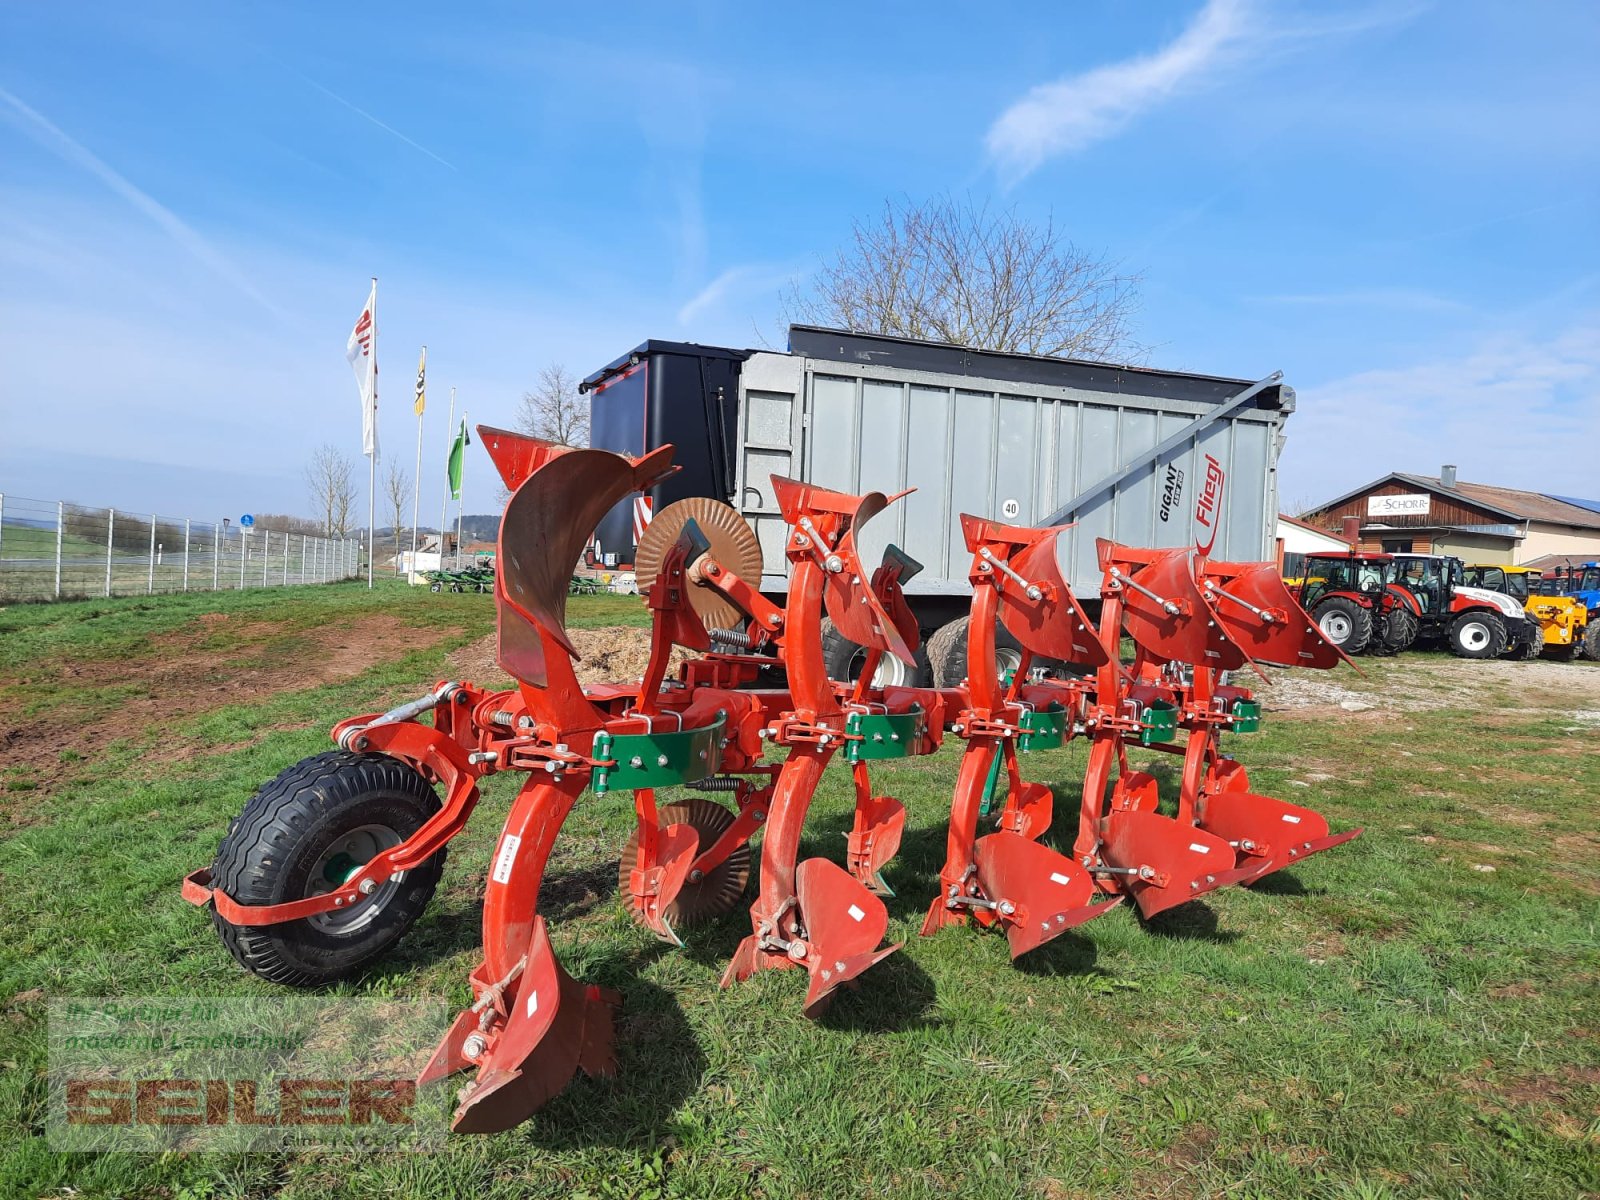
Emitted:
<point x="736" y="639"/>
<point x="501" y="717"/>
<point x="717" y="783"/>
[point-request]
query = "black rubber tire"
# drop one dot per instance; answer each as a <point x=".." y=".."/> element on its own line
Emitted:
<point x="1591" y="642"/>
<point x="1466" y="630"/>
<point x="841" y="656"/>
<point x="947" y="652"/>
<point x="436" y="587"/>
<point x="1344" y="614"/>
<point x="268" y="852"/>
<point x="1399" y="630"/>
<point x="1530" y="647"/>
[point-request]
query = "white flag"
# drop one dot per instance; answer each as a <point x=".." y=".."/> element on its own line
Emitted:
<point x="362" y="351"/>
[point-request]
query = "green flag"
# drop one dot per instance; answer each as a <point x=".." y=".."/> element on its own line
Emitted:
<point x="458" y="450"/>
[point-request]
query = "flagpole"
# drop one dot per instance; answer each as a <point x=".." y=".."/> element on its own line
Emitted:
<point x="444" y="504"/>
<point x="416" y="482"/>
<point x="461" y="499"/>
<point x="372" y="458"/>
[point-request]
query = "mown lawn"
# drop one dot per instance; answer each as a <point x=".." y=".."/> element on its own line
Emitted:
<point x="1389" y="1019"/>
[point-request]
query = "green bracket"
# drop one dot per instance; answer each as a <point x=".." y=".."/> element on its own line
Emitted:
<point x="656" y="760"/>
<point x="1160" y="723"/>
<point x="1044" y="729"/>
<point x="884" y="735"/>
<point x="1246" y="716"/>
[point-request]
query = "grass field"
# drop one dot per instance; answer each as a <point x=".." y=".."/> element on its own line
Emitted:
<point x="1392" y="1019"/>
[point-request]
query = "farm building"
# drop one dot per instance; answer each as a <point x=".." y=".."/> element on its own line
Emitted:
<point x="1428" y="514"/>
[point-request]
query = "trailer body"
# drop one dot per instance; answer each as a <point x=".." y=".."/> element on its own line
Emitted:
<point x="1140" y="456"/>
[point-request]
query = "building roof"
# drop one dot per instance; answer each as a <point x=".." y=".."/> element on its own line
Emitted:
<point x="1511" y="503"/>
<point x="1549" y="562"/>
<point x="1307" y="525"/>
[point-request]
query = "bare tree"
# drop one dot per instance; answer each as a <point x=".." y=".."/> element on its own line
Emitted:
<point x="397" y="499"/>
<point x="554" y="410"/>
<point x="331" y="480"/>
<point x="947" y="271"/>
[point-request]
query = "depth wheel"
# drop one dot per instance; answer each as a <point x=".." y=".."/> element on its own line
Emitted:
<point x="303" y="834"/>
<point x="723" y="885"/>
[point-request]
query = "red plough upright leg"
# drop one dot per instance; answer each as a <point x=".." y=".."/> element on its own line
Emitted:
<point x="815" y="914"/>
<point x="1007" y="879"/>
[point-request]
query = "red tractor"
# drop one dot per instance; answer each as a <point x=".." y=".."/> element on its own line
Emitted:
<point x="1353" y="598"/>
<point x="1474" y="622"/>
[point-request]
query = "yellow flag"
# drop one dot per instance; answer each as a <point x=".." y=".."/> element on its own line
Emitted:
<point x="422" y="382"/>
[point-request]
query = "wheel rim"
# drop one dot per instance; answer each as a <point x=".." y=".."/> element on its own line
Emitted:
<point x="1474" y="636"/>
<point x="340" y="861"/>
<point x="1007" y="658"/>
<point x="891" y="671"/>
<point x="1336" y="627"/>
<point x="701" y="899"/>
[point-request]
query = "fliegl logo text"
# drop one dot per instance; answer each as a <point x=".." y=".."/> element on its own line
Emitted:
<point x="287" y="1102"/>
<point x="1208" y="509"/>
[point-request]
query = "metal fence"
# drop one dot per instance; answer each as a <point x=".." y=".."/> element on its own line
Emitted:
<point x="52" y="550"/>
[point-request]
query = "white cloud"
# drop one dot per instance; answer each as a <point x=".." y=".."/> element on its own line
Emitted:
<point x="1075" y="112"/>
<point x="59" y="143"/>
<point x="744" y="283"/>
<point x="1516" y="411"/>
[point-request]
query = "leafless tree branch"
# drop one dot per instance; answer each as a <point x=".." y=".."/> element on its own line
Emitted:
<point x="554" y="410"/>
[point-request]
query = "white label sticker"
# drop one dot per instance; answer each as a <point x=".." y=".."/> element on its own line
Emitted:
<point x="507" y="856"/>
<point x="1291" y="818"/>
<point x="1011" y="509"/>
<point x="1058" y="877"/>
<point x="1198" y="848"/>
<point x="533" y="1003"/>
<point x="855" y="913"/>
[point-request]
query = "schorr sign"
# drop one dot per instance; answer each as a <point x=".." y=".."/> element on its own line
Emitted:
<point x="1397" y="506"/>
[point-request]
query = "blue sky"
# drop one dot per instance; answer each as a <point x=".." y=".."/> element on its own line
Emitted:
<point x="1395" y="203"/>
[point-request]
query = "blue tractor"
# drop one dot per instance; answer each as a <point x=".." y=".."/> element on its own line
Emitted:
<point x="1582" y="583"/>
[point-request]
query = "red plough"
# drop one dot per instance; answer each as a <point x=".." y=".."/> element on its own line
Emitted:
<point x="1006" y="879"/>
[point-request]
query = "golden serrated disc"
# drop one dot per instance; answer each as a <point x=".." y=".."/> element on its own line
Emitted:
<point x="733" y="544"/>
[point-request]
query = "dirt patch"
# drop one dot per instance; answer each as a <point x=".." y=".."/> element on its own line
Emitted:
<point x="185" y="678"/>
<point x="1421" y="682"/>
<point x="614" y="654"/>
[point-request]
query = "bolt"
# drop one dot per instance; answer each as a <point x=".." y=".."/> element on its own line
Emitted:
<point x="338" y="901"/>
<point x="696" y="876"/>
<point x="1007" y="908"/>
<point x="662" y="760"/>
<point x="367" y="886"/>
<point x="525" y="722"/>
<point x="474" y="1046"/>
<point x="1147" y="872"/>
<point x="772" y="619"/>
<point x="797" y="950"/>
<point x="636" y="762"/>
<point x="362" y="743"/>
<point x="834" y="563"/>
<point x="758" y="816"/>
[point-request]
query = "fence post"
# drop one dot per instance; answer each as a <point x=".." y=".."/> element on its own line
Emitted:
<point x="150" y="588"/>
<point x="186" y="554"/>
<point x="244" y="552"/>
<point x="61" y="523"/>
<point x="216" y="555"/>
<point x="111" y="533"/>
<point x="266" y="554"/>
<point x="286" y="545"/>
<point x="302" y="558"/>
<point x="2" y="519"/>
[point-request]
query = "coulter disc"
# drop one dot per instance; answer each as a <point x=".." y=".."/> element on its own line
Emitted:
<point x="723" y="885"/>
<point x="733" y="544"/>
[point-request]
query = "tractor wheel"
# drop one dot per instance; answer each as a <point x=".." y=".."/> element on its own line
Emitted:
<point x="1529" y="647"/>
<point x="1345" y="623"/>
<point x="947" y="652"/>
<point x="1477" y="634"/>
<point x="1591" y="642"/>
<point x="844" y="659"/>
<point x="703" y="899"/>
<point x="1399" y="630"/>
<point x="304" y="833"/>
<point x="436" y="587"/>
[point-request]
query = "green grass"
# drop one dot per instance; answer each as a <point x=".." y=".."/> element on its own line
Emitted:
<point x="1386" y="1020"/>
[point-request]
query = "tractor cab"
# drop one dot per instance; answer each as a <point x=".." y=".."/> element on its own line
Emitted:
<point x="1473" y="620"/>
<point x="1326" y="574"/>
<point x="1349" y="596"/>
<point x="1430" y="578"/>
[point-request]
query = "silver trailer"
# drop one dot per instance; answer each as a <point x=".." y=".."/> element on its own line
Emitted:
<point x="1141" y="456"/>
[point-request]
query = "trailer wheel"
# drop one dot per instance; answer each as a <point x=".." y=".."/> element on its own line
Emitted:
<point x="844" y="660"/>
<point x="302" y="834"/>
<point x="1477" y="634"/>
<point x="947" y="652"/>
<point x="1345" y="623"/>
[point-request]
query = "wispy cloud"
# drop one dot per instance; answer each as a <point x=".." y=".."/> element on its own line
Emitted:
<point x="1079" y="110"/>
<point x="43" y="131"/>
<point x="1404" y="299"/>
<point x="1501" y="411"/>
<point x="361" y="112"/>
<point x="1075" y="112"/>
<point x="747" y="280"/>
